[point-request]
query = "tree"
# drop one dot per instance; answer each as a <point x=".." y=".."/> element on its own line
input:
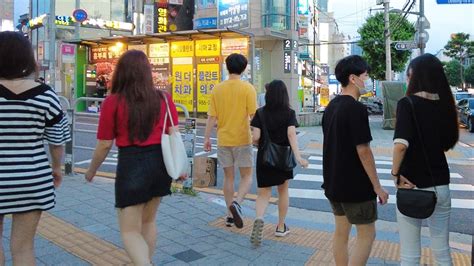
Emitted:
<point x="452" y="70"/>
<point x="460" y="48"/>
<point x="372" y="43"/>
<point x="469" y="75"/>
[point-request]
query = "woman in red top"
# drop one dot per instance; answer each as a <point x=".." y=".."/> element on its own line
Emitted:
<point x="133" y="115"/>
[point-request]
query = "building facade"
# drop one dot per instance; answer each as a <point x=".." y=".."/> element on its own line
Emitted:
<point x="6" y="15"/>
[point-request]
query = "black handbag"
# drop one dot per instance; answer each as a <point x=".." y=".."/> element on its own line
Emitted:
<point x="417" y="203"/>
<point x="274" y="155"/>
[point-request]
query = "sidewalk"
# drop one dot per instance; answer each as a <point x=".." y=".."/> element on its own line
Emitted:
<point x="82" y="230"/>
<point x="382" y="144"/>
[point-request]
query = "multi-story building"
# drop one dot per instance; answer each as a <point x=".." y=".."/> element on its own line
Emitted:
<point x="104" y="18"/>
<point x="280" y="32"/>
<point x="6" y="15"/>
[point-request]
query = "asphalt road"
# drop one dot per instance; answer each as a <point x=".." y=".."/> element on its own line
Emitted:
<point x="305" y="189"/>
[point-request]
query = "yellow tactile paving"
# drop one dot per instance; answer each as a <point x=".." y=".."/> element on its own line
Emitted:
<point x="322" y="243"/>
<point x="80" y="243"/>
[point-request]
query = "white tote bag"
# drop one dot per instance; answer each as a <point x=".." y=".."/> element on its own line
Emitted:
<point x="174" y="153"/>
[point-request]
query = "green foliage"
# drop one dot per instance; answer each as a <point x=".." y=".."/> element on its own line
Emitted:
<point x="459" y="47"/>
<point x="453" y="72"/>
<point x="373" y="44"/>
<point x="469" y="75"/>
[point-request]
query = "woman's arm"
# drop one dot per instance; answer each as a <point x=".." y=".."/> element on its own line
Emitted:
<point x="399" y="151"/>
<point x="56" y="152"/>
<point x="101" y="150"/>
<point x="294" y="146"/>
<point x="256" y="132"/>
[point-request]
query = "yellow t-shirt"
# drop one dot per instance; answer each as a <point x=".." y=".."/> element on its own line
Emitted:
<point x="232" y="103"/>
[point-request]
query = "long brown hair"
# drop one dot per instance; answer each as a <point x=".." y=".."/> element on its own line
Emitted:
<point x="132" y="81"/>
<point x="427" y="74"/>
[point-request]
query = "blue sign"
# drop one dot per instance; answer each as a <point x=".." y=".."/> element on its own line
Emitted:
<point x="454" y="1"/>
<point x="303" y="7"/>
<point x="205" y="23"/>
<point x="233" y="14"/>
<point x="80" y="15"/>
<point x="332" y="79"/>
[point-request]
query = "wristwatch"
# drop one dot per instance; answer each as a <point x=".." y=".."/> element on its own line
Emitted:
<point x="397" y="181"/>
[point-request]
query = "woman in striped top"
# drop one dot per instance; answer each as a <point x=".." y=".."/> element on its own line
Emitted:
<point x="30" y="113"/>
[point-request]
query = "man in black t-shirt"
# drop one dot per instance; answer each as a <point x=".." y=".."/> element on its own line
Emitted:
<point x="350" y="179"/>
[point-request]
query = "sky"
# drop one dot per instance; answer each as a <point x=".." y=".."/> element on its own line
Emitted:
<point x="351" y="14"/>
<point x="444" y="19"/>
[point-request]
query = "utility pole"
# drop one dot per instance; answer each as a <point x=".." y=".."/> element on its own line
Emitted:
<point x="421" y="27"/>
<point x="388" y="56"/>
<point x="77" y="27"/>
<point x="52" y="43"/>
<point x="314" y="55"/>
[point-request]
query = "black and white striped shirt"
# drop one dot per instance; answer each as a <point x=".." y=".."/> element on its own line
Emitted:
<point x="27" y="120"/>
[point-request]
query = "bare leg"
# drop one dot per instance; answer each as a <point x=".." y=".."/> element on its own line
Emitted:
<point x="363" y="246"/>
<point x="149" y="231"/>
<point x="283" y="203"/>
<point x="22" y="236"/>
<point x="263" y="197"/>
<point x="245" y="183"/>
<point x="130" y="221"/>
<point x="228" y="186"/>
<point x="340" y="240"/>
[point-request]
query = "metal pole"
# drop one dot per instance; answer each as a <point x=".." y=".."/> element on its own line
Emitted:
<point x="420" y="26"/>
<point x="388" y="57"/>
<point x="314" y="56"/>
<point x="52" y="43"/>
<point x="77" y="27"/>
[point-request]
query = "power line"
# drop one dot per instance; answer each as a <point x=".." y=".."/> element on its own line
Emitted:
<point x="355" y="13"/>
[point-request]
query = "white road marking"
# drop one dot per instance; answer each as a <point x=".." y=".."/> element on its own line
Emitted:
<point x="319" y="194"/>
<point x="383" y="182"/>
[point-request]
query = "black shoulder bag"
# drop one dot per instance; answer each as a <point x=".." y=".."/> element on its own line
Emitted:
<point x="274" y="155"/>
<point x="417" y="203"/>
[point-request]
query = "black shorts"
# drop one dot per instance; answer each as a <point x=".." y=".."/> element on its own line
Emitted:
<point x="356" y="212"/>
<point x="141" y="175"/>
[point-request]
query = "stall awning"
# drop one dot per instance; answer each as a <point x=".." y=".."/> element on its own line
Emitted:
<point x="164" y="37"/>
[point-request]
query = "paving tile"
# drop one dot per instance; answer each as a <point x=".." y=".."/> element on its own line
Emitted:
<point x="188" y="255"/>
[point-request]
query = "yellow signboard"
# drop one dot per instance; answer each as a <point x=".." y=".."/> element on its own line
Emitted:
<point x="324" y="97"/>
<point x="183" y="85"/>
<point x="182" y="49"/>
<point x="210" y="47"/>
<point x="207" y="79"/>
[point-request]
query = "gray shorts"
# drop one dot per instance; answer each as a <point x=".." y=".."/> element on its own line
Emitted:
<point x="240" y="156"/>
<point x="356" y="212"/>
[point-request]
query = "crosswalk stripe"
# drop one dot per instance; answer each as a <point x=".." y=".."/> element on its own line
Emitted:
<point x="379" y="170"/>
<point x="319" y="194"/>
<point x="383" y="182"/>
<point x="320" y="158"/>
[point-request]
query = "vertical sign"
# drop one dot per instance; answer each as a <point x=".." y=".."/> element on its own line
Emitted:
<point x="233" y="14"/>
<point x="159" y="59"/>
<point x="149" y="13"/>
<point x="182" y="53"/>
<point x="183" y="82"/>
<point x="207" y="79"/>
<point x="208" y="70"/>
<point x="162" y="20"/>
<point x="287" y="54"/>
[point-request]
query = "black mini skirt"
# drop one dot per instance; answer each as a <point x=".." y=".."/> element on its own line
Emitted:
<point x="141" y="175"/>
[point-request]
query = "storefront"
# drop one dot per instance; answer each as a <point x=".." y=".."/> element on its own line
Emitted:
<point x="186" y="64"/>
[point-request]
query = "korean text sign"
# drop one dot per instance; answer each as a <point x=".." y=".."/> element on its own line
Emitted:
<point x="207" y="79"/>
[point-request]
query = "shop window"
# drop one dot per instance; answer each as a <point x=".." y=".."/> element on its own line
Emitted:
<point x="276" y="14"/>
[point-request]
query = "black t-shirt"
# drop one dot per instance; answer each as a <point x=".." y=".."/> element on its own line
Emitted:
<point x="277" y="123"/>
<point x="345" y="125"/>
<point x="431" y="122"/>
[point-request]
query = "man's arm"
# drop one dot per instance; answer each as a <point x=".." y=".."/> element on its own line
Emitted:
<point x="367" y="159"/>
<point x="211" y="122"/>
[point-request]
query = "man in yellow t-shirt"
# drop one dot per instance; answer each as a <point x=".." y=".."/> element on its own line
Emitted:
<point x="233" y="104"/>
